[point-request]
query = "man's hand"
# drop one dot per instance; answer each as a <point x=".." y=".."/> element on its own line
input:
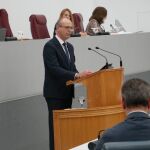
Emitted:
<point x="82" y="74"/>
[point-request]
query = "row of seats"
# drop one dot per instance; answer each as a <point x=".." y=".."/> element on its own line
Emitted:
<point x="38" y="24"/>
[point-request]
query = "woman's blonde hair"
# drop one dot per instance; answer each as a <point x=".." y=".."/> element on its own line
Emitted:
<point x="62" y="13"/>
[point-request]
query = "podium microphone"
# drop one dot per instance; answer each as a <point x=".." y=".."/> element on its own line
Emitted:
<point x="106" y="66"/>
<point x="112" y="54"/>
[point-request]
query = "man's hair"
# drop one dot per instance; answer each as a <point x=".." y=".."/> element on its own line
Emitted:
<point x="135" y="93"/>
<point x="59" y="22"/>
<point x="70" y="13"/>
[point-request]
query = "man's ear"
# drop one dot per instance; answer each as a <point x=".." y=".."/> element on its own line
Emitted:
<point x="123" y="103"/>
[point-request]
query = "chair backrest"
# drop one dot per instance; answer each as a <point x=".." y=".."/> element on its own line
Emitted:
<point x="2" y="34"/>
<point x="78" y="23"/>
<point x="131" y="145"/>
<point x="4" y="22"/>
<point x="38" y="24"/>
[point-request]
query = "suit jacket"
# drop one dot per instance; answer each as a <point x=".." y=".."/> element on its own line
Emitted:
<point x="135" y="128"/>
<point x="58" y="70"/>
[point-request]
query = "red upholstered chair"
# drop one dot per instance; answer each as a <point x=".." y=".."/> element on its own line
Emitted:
<point x="78" y="22"/>
<point x="4" y="22"/>
<point x="38" y="27"/>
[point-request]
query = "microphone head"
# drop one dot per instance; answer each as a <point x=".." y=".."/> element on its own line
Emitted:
<point x="111" y="25"/>
<point x="120" y="63"/>
<point x="97" y="47"/>
<point x="89" y="48"/>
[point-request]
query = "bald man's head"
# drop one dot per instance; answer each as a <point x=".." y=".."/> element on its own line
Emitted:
<point x="63" y="21"/>
<point x="64" y="28"/>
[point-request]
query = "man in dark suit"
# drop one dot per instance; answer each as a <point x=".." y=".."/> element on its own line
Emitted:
<point x="59" y="62"/>
<point x="136" y="127"/>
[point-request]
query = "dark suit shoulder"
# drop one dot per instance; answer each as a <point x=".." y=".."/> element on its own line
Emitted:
<point x="134" y="121"/>
<point x="49" y="50"/>
<point x="110" y="135"/>
<point x="119" y="127"/>
<point x="51" y="44"/>
<point x="127" y="130"/>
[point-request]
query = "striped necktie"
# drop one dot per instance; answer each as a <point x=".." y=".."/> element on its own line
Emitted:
<point x="66" y="51"/>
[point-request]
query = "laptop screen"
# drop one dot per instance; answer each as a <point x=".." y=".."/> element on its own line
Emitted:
<point x="119" y="25"/>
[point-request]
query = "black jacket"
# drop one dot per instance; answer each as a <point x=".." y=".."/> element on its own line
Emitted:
<point x="58" y="70"/>
<point x="135" y="128"/>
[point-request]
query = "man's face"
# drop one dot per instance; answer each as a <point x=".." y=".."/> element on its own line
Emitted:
<point x="65" y="29"/>
<point x="66" y="15"/>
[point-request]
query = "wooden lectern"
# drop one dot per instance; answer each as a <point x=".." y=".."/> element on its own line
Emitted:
<point x="103" y="87"/>
<point x="76" y="126"/>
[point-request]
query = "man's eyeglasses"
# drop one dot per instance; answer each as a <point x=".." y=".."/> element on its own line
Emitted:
<point x="67" y="27"/>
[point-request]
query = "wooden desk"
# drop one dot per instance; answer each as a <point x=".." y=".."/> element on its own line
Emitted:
<point x="77" y="126"/>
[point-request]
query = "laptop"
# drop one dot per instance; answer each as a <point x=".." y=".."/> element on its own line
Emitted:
<point x="2" y="34"/>
<point x="119" y="26"/>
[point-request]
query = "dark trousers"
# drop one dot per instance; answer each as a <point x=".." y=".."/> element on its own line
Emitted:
<point x="55" y="104"/>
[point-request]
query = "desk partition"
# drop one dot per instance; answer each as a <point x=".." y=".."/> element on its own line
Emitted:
<point x="22" y="69"/>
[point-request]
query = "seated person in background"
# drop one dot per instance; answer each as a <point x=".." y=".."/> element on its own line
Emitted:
<point x="136" y="127"/>
<point x="66" y="13"/>
<point x="96" y="20"/>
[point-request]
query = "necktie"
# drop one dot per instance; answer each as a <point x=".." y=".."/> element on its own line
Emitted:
<point x="66" y="51"/>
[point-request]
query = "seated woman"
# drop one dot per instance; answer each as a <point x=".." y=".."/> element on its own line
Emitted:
<point x="94" y="26"/>
<point x="66" y="13"/>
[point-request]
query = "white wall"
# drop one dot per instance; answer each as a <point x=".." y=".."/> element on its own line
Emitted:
<point x="133" y="14"/>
